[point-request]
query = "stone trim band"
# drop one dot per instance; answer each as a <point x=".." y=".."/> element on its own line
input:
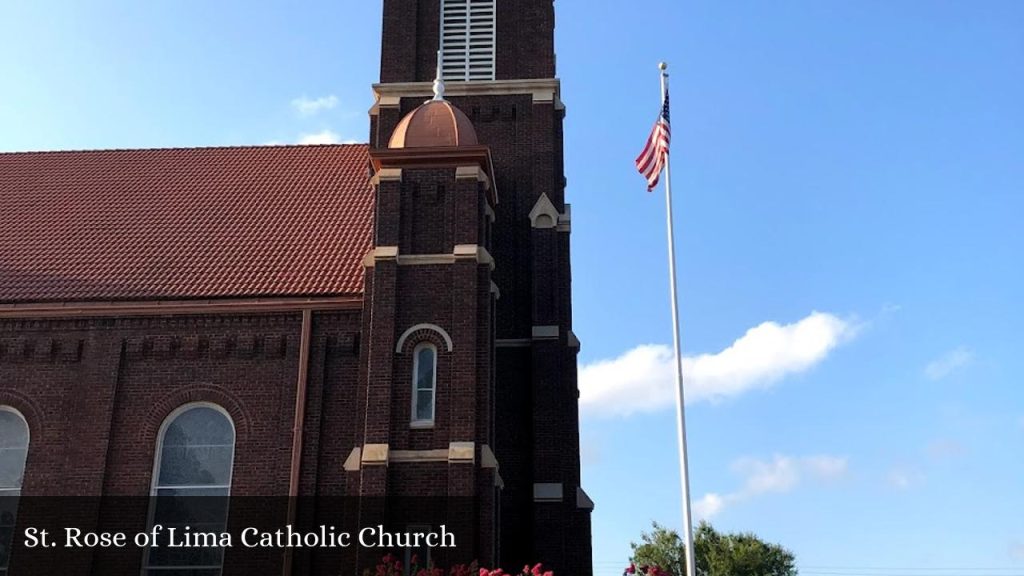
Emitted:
<point x="461" y="252"/>
<point x="382" y="455"/>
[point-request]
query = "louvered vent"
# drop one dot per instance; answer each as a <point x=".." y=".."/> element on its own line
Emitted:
<point x="467" y="39"/>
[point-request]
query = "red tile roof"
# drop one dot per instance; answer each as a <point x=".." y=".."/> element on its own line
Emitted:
<point x="184" y="223"/>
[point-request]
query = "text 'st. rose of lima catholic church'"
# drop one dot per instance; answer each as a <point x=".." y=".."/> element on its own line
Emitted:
<point x="384" y="324"/>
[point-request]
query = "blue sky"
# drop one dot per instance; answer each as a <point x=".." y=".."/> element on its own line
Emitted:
<point x="848" y="179"/>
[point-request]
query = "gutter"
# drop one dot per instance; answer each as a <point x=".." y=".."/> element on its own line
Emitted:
<point x="300" y="424"/>
<point x="176" y="307"/>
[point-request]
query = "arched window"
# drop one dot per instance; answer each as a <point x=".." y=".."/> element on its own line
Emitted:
<point x="191" y="485"/>
<point x="424" y="384"/>
<point x="13" y="452"/>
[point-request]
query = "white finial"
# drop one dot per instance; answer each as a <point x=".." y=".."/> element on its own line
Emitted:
<point x="438" y="82"/>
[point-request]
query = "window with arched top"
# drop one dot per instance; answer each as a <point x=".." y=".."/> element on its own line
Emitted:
<point x="191" y="484"/>
<point x="13" y="453"/>
<point x="424" y="384"/>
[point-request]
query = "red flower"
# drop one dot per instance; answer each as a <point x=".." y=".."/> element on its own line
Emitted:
<point x="631" y="569"/>
<point x="536" y="570"/>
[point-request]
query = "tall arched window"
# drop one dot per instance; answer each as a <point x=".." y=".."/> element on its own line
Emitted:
<point x="424" y="384"/>
<point x="13" y="452"/>
<point x="191" y="485"/>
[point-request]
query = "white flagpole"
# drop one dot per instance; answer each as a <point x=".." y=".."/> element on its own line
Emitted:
<point x="691" y="565"/>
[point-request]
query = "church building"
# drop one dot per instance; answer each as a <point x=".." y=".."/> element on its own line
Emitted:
<point x="373" y="334"/>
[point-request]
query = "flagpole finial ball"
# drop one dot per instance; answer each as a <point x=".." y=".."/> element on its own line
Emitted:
<point x="662" y="66"/>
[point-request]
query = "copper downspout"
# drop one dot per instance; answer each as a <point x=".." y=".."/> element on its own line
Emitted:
<point x="300" y="424"/>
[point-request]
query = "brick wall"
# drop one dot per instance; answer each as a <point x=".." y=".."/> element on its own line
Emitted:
<point x="525" y="36"/>
<point x="536" y="422"/>
<point x="427" y="213"/>
<point x="96" y="392"/>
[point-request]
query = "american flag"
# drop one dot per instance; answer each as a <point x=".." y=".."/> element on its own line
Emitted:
<point x="651" y="161"/>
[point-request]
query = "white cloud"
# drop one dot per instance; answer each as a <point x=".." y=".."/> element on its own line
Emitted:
<point x="310" y="106"/>
<point x="708" y="506"/>
<point x="779" y="475"/>
<point x="902" y="478"/>
<point x="325" y="136"/>
<point x="948" y="363"/>
<point x="783" y="473"/>
<point x="322" y="137"/>
<point x="827" y="467"/>
<point x="643" y="379"/>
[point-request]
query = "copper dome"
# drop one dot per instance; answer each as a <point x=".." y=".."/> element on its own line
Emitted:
<point x="434" y="124"/>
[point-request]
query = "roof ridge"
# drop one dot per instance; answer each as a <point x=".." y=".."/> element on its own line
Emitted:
<point x="180" y="148"/>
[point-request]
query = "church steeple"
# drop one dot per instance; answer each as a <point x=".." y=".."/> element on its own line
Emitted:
<point x="492" y="121"/>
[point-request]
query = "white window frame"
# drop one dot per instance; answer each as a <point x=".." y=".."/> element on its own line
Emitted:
<point x="15" y="492"/>
<point x="468" y="39"/>
<point x="414" y="421"/>
<point x="155" y="481"/>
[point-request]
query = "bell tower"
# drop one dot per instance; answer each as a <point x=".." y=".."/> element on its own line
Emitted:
<point x="513" y="39"/>
<point x="497" y="63"/>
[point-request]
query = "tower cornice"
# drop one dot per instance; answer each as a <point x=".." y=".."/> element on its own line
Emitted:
<point x="543" y="91"/>
<point x="478" y="157"/>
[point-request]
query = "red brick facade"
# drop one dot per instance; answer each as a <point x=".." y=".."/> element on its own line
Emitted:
<point x="519" y="117"/>
<point x="470" y="254"/>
